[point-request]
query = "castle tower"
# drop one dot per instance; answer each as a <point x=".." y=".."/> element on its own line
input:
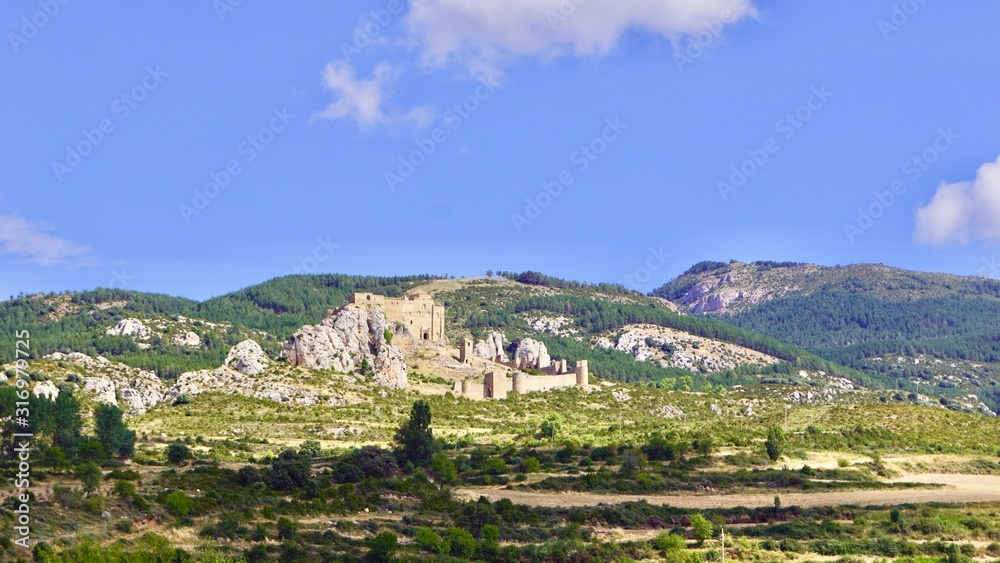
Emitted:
<point x="465" y="387"/>
<point x="520" y="382"/>
<point x="465" y="350"/>
<point x="582" y="374"/>
<point x="496" y="386"/>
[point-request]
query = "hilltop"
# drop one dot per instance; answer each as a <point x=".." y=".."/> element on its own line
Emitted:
<point x="918" y="330"/>
<point x="733" y="287"/>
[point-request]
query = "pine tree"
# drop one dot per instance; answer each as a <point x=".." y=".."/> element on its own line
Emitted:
<point x="415" y="437"/>
<point x="111" y="431"/>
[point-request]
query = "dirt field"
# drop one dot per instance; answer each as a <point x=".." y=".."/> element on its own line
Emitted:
<point x="960" y="488"/>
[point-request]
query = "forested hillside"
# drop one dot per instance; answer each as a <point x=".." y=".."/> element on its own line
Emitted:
<point x="858" y="315"/>
<point x="272" y="310"/>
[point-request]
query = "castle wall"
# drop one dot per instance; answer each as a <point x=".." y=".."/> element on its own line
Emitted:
<point x="548" y="382"/>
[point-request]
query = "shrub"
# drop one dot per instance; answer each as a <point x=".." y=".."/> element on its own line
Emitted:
<point x="89" y="474"/>
<point x="461" y="543"/>
<point x="430" y="541"/>
<point x="531" y="465"/>
<point x="287" y="529"/>
<point x="178" y="503"/>
<point x="382" y="546"/>
<point x="310" y="448"/>
<point x="347" y="473"/>
<point x="702" y="528"/>
<point x="124" y="489"/>
<point x="247" y="475"/>
<point x="669" y="542"/>
<point x="494" y="466"/>
<point x="289" y="471"/>
<point x="177" y="452"/>
<point x="373" y="461"/>
<point x="95" y="504"/>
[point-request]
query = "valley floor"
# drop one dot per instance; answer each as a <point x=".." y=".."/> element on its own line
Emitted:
<point x="959" y="489"/>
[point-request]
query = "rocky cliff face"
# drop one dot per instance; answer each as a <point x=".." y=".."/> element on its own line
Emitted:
<point x="347" y="338"/>
<point x="491" y="347"/>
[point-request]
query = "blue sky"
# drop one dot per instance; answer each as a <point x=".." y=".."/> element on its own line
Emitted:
<point x="198" y="148"/>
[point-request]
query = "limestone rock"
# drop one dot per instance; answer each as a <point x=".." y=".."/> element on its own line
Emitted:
<point x="491" y="347"/>
<point x="46" y="389"/>
<point x="247" y="357"/>
<point x="533" y="351"/>
<point x="132" y="389"/>
<point x="345" y="339"/>
<point x="603" y="343"/>
<point x="129" y="327"/>
<point x="230" y="381"/>
<point x="188" y="339"/>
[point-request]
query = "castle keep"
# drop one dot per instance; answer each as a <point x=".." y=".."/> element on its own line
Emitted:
<point x="416" y="312"/>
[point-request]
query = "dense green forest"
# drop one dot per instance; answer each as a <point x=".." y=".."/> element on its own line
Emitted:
<point x="851" y="328"/>
<point x="831" y="319"/>
<point x="537" y="278"/>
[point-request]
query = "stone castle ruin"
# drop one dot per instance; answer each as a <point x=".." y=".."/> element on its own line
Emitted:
<point x="530" y="354"/>
<point x="417" y="312"/>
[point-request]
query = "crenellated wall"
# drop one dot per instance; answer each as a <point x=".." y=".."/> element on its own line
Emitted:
<point x="497" y="385"/>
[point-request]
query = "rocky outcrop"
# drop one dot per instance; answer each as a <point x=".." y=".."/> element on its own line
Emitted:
<point x="129" y="327"/>
<point x="635" y="342"/>
<point x="132" y="389"/>
<point x="247" y="357"/>
<point x="491" y="348"/>
<point x="46" y="389"/>
<point x="190" y="339"/>
<point x="534" y="353"/>
<point x="346" y="340"/>
<point x="230" y="381"/>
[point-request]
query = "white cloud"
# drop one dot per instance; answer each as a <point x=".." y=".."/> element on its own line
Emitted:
<point x="21" y="237"/>
<point x="483" y="34"/>
<point x="963" y="212"/>
<point x="366" y="100"/>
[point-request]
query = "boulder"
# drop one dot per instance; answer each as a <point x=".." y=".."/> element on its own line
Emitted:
<point x="188" y="339"/>
<point x="490" y="348"/>
<point x="247" y="357"/>
<point x="46" y="389"/>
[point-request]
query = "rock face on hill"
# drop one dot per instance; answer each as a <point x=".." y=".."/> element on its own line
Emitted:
<point x="129" y="327"/>
<point x="132" y="389"/>
<point x="733" y="287"/>
<point x="491" y="347"/>
<point x="188" y="339"/>
<point x="533" y="352"/>
<point x="247" y="357"/>
<point x="345" y="340"/>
